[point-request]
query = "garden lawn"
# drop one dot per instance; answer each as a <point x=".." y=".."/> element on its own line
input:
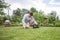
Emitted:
<point x="18" y="33"/>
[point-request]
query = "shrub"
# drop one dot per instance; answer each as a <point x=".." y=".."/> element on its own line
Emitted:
<point x="38" y="21"/>
<point x="41" y="24"/>
<point x="57" y="23"/>
<point x="16" y="24"/>
<point x="51" y="25"/>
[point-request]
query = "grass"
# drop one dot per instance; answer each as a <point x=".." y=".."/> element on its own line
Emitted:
<point x="18" y="33"/>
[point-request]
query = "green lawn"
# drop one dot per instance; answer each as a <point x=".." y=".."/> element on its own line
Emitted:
<point x="18" y="33"/>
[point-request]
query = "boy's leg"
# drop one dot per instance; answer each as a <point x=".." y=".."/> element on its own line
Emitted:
<point x="24" y="26"/>
<point x="27" y="25"/>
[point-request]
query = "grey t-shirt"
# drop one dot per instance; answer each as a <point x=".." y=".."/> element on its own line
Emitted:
<point x="26" y="18"/>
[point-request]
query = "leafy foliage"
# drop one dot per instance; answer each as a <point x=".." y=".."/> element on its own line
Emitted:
<point x="2" y="6"/>
<point x="16" y="15"/>
<point x="33" y="10"/>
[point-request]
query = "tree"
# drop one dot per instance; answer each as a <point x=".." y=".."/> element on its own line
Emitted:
<point x="2" y="6"/>
<point x="52" y="16"/>
<point x="16" y="15"/>
<point x="24" y="11"/>
<point x="33" y="10"/>
<point x="42" y="15"/>
<point x="39" y="17"/>
<point x="57" y="18"/>
<point x="17" y="12"/>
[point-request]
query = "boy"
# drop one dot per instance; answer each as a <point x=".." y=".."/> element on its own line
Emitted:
<point x="28" y="20"/>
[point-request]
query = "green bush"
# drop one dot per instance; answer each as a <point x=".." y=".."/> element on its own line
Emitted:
<point x="16" y="24"/>
<point x="38" y="21"/>
<point x="50" y="25"/>
<point x="57" y="24"/>
<point x="41" y="24"/>
<point x="1" y="20"/>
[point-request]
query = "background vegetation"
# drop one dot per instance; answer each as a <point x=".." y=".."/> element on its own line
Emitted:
<point x="51" y="19"/>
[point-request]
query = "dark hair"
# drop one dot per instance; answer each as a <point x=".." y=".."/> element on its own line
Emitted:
<point x="31" y="14"/>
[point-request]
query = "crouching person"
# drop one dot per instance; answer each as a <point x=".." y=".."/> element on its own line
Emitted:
<point x="7" y="23"/>
<point x="28" y="20"/>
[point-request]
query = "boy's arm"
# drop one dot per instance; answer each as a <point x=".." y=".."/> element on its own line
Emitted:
<point x="34" y="20"/>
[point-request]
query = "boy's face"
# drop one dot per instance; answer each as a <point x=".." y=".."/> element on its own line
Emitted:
<point x="29" y="15"/>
